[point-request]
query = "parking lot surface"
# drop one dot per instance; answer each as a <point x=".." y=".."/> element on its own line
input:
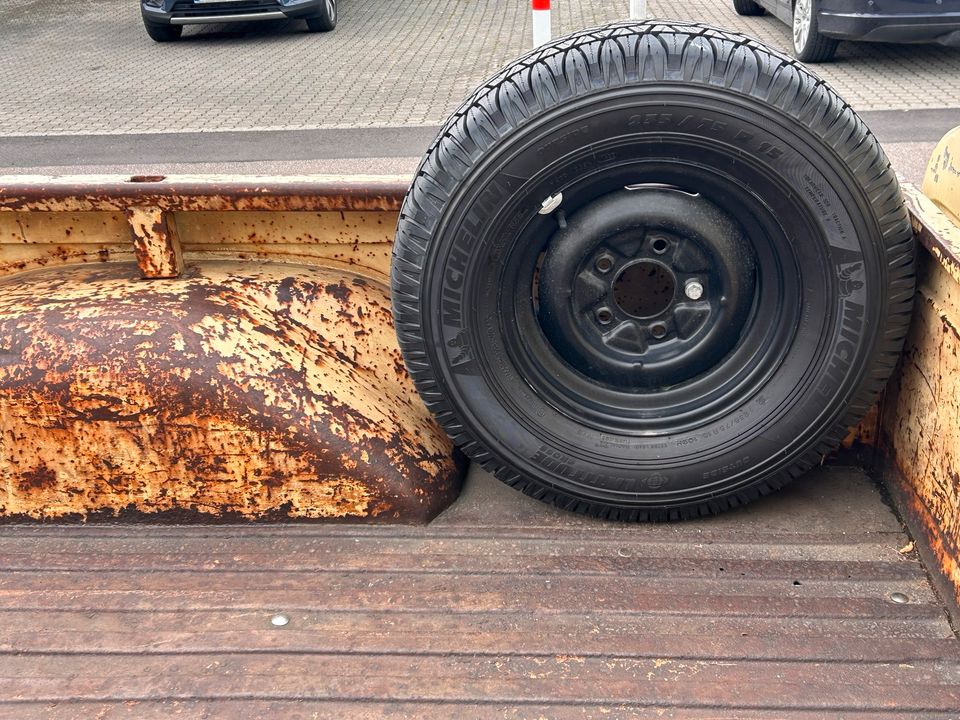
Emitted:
<point x="89" y="69"/>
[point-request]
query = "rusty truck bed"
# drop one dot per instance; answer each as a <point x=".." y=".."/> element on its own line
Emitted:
<point x="501" y="607"/>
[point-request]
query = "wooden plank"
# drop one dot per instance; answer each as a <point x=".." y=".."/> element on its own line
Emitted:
<point x="159" y="630"/>
<point x="493" y="634"/>
<point x="508" y="679"/>
<point x="687" y="538"/>
<point x="382" y="590"/>
<point x="486" y="558"/>
<point x="301" y="709"/>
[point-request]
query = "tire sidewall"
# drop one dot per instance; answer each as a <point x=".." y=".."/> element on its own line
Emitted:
<point x="754" y="441"/>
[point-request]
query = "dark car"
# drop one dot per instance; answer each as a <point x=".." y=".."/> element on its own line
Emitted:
<point x="164" y="19"/>
<point x="820" y="25"/>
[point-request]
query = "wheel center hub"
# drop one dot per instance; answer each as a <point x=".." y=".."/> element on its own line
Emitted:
<point x="646" y="288"/>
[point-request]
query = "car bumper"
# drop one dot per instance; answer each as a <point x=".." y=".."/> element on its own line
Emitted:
<point x="180" y="12"/>
<point x="942" y="28"/>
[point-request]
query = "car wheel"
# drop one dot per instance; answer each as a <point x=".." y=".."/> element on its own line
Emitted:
<point x="163" y="33"/>
<point x="808" y="44"/>
<point x="326" y="20"/>
<point x="747" y="7"/>
<point x="652" y="271"/>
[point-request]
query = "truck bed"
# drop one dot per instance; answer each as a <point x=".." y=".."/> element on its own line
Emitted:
<point x="501" y="607"/>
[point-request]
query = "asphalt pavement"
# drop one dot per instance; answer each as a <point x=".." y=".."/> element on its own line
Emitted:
<point x="83" y="90"/>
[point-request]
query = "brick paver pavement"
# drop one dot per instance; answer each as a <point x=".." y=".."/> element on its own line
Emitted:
<point x="88" y="68"/>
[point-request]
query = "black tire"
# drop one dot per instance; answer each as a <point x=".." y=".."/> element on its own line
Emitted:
<point x="326" y="20"/>
<point x="747" y="7"/>
<point x="163" y="33"/>
<point x="810" y="46"/>
<point x="717" y="135"/>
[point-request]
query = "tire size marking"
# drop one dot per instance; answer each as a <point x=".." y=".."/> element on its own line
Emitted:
<point x="728" y="424"/>
<point x="568" y="135"/>
<point x="707" y="126"/>
<point x="727" y="469"/>
<point x="561" y="464"/>
<point x="687" y="122"/>
<point x="553" y="460"/>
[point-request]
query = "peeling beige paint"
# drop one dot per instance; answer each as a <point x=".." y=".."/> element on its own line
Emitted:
<point x="262" y="380"/>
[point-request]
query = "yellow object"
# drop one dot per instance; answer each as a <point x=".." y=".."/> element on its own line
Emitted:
<point x="941" y="183"/>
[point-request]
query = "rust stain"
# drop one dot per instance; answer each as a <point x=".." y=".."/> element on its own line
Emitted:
<point x="865" y="431"/>
<point x="155" y="243"/>
<point x="921" y="422"/>
<point x="255" y="384"/>
<point x="39" y="478"/>
<point x="192" y="193"/>
<point x="252" y="388"/>
<point x="358" y="242"/>
<point x="921" y="425"/>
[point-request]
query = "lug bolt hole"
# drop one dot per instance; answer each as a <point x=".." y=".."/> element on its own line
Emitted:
<point x="658" y="331"/>
<point x="604" y="264"/>
<point x="604" y="316"/>
<point x="660" y="246"/>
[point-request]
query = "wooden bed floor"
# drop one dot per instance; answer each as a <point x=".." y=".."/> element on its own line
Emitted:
<point x="500" y="608"/>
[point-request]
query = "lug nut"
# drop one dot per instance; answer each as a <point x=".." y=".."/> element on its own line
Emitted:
<point x="604" y="264"/>
<point x="604" y="316"/>
<point x="693" y="289"/>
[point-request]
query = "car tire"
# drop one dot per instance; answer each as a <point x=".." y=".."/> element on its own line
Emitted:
<point x="688" y="154"/>
<point x="747" y="7"/>
<point x="326" y="20"/>
<point x="808" y="44"/>
<point x="163" y="33"/>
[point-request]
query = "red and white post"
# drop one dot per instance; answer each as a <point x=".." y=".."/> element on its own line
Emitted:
<point x="541" y="21"/>
<point x="638" y="9"/>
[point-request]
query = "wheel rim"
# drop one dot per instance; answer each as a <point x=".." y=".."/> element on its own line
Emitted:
<point x="646" y="287"/>
<point x="695" y="399"/>
<point x="802" y="16"/>
<point x="331" y="9"/>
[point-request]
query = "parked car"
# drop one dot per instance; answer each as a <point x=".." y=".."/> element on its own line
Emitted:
<point x="164" y="19"/>
<point x="820" y="25"/>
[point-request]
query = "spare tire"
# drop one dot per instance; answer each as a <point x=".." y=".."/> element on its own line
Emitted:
<point x="652" y="271"/>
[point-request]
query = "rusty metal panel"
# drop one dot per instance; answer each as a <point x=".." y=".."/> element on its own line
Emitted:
<point x="31" y="240"/>
<point x="921" y="421"/>
<point x="297" y="219"/>
<point x="248" y="389"/>
<point x="208" y="192"/>
<point x="155" y="242"/>
<point x="256" y="375"/>
<point x="358" y="241"/>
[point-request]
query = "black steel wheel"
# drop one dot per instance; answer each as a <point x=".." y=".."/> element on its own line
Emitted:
<point x="162" y="33"/>
<point x="326" y="18"/>
<point x="747" y="7"/>
<point x="650" y="271"/>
